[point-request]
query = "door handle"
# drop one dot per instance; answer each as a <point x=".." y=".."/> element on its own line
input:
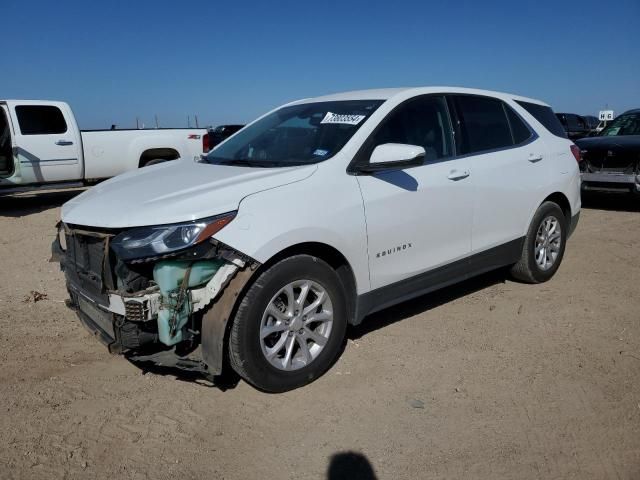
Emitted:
<point x="64" y="143"/>
<point x="535" y="157"/>
<point x="458" y="174"/>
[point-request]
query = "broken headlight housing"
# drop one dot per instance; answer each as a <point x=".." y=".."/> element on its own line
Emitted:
<point x="141" y="242"/>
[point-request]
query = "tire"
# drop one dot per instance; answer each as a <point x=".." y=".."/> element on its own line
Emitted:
<point x="155" y="161"/>
<point x="529" y="268"/>
<point x="277" y="362"/>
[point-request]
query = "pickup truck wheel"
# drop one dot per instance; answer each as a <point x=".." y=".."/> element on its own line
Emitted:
<point x="155" y="161"/>
<point x="290" y="325"/>
<point x="544" y="245"/>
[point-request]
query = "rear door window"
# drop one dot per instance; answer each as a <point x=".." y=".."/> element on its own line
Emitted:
<point x="40" y="120"/>
<point x="482" y="124"/>
<point x="545" y="116"/>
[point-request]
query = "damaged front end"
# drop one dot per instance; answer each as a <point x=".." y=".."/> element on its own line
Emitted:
<point x="148" y="292"/>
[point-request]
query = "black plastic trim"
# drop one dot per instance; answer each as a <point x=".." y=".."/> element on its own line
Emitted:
<point x="574" y="224"/>
<point x="437" y="278"/>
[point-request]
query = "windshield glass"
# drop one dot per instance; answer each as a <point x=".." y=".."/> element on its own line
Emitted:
<point x="295" y="135"/>
<point x="627" y="124"/>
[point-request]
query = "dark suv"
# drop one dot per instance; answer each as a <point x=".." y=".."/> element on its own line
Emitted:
<point x="612" y="158"/>
<point x="592" y="123"/>
<point x="575" y="125"/>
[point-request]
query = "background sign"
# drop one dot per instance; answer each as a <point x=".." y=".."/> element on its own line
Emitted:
<point x="606" y="115"/>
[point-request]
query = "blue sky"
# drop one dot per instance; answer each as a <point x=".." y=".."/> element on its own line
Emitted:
<point x="228" y="62"/>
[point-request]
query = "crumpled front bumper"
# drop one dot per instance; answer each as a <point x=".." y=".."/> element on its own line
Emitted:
<point x="128" y="322"/>
<point x="106" y="315"/>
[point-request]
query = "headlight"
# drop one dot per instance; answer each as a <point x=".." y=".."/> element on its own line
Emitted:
<point x="158" y="240"/>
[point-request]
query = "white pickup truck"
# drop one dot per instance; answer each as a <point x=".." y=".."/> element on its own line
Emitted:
<point x="41" y="147"/>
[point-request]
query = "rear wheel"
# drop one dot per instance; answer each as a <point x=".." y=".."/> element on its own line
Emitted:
<point x="155" y="161"/>
<point x="290" y="325"/>
<point x="544" y="245"/>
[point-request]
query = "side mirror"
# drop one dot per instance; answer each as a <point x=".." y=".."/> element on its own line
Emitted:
<point x="394" y="156"/>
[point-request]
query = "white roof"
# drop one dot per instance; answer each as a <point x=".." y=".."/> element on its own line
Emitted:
<point x="12" y="101"/>
<point x="387" y="93"/>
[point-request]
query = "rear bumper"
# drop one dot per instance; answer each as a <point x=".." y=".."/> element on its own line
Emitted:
<point x="610" y="182"/>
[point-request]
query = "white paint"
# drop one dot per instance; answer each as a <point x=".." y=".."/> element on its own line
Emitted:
<point x="446" y="210"/>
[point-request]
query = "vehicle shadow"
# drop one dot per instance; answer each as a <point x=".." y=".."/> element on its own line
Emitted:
<point x="192" y="373"/>
<point x="183" y="370"/>
<point x="619" y="202"/>
<point x="350" y="466"/>
<point x="20" y="205"/>
<point x="424" y="303"/>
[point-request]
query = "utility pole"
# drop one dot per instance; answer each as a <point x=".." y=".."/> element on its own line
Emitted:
<point x="188" y="121"/>
<point x="156" y="117"/>
<point x="137" y="123"/>
<point x="197" y="126"/>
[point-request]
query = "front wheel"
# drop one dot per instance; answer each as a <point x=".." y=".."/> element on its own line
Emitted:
<point x="290" y="325"/>
<point x="544" y="245"/>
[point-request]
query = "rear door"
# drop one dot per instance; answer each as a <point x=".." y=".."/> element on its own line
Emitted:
<point x="47" y="143"/>
<point x="506" y="160"/>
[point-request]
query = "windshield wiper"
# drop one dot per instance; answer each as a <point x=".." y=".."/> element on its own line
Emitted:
<point x="247" y="163"/>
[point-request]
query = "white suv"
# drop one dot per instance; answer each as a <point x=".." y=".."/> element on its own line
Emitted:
<point x="310" y="218"/>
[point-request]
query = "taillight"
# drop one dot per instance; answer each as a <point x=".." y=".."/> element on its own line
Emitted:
<point x="205" y="143"/>
<point x="575" y="150"/>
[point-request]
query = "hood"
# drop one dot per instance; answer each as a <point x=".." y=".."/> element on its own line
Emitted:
<point x="172" y="192"/>
<point x="622" y="143"/>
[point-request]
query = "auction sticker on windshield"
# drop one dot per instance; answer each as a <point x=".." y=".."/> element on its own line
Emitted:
<point x="343" y="119"/>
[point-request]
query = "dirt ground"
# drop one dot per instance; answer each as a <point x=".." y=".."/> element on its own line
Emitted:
<point x="490" y="379"/>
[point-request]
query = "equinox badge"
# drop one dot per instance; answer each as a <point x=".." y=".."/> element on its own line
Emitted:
<point x="393" y="250"/>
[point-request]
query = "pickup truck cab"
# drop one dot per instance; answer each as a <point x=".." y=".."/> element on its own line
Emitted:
<point x="313" y="216"/>
<point x="41" y="146"/>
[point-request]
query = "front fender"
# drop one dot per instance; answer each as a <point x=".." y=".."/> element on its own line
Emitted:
<point x="216" y="319"/>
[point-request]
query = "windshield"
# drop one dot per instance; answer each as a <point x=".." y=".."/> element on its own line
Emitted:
<point x="295" y="135"/>
<point x="626" y="124"/>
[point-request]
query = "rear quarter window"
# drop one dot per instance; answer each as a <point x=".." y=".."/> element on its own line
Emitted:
<point x="521" y="132"/>
<point x="545" y="116"/>
<point x="40" y="120"/>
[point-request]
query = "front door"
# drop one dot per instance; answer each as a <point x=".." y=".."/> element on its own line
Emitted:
<point x="6" y="152"/>
<point x="420" y="218"/>
<point x="46" y="144"/>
